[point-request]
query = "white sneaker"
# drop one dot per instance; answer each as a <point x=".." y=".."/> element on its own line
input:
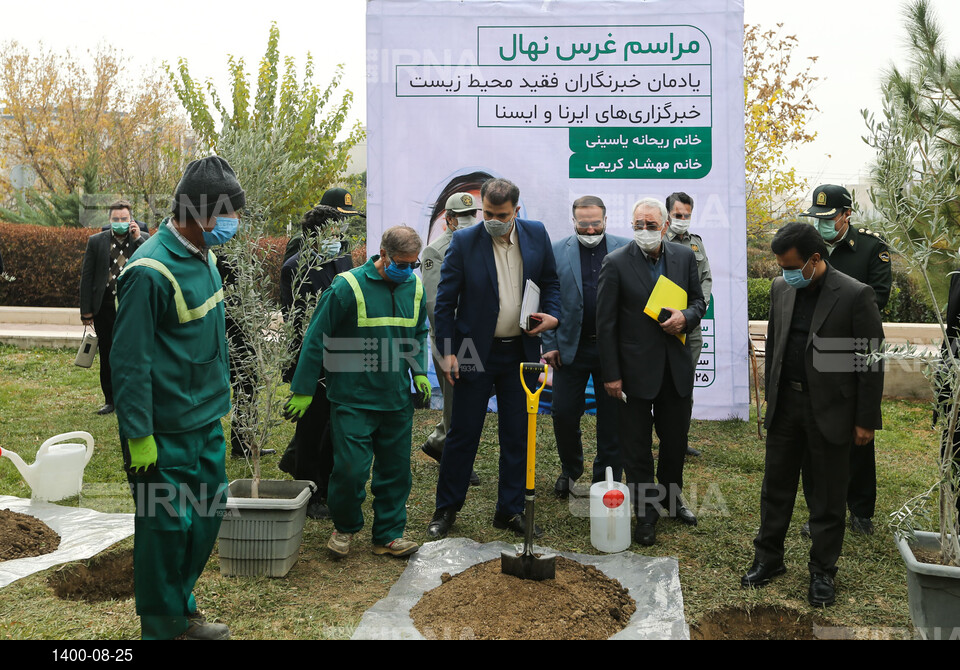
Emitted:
<point x="399" y="547"/>
<point x="339" y="543"/>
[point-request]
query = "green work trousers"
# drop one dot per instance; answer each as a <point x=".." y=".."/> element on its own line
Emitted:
<point x="179" y="507"/>
<point x="362" y="437"/>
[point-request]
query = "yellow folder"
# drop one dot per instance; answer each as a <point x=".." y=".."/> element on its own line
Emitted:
<point x="666" y="294"/>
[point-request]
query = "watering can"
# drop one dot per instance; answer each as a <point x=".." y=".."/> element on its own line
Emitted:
<point x="610" y="515"/>
<point x="57" y="472"/>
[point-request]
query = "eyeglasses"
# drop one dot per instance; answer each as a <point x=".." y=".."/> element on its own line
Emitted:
<point x="403" y="266"/>
<point x="646" y="225"/>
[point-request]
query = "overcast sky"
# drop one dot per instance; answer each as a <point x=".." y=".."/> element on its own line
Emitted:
<point x="853" y="39"/>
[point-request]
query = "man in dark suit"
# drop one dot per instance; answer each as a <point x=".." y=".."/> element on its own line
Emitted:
<point x="571" y="349"/>
<point x="823" y="399"/>
<point x="862" y="254"/>
<point x="646" y="365"/>
<point x="107" y="252"/>
<point x="478" y="332"/>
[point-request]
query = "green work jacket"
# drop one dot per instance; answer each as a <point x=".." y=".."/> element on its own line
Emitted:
<point x="169" y="356"/>
<point x="369" y="335"/>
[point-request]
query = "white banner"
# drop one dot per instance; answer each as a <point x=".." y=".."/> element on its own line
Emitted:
<point x="614" y="98"/>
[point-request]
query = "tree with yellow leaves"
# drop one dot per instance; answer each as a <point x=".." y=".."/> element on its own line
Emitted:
<point x="87" y="128"/>
<point x="777" y="109"/>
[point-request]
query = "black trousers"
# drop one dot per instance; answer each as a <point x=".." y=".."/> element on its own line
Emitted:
<point x="792" y="438"/>
<point x="567" y="407"/>
<point x="103" y="322"/>
<point x="862" y="487"/>
<point x="669" y="415"/>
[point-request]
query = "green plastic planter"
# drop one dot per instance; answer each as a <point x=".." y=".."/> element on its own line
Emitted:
<point x="933" y="590"/>
<point x="261" y="536"/>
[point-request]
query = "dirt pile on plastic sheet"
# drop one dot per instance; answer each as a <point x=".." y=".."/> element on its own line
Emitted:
<point x="22" y="536"/>
<point x="482" y="603"/>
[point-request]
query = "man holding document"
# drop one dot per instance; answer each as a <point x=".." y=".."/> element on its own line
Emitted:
<point x="482" y="343"/>
<point x="648" y="299"/>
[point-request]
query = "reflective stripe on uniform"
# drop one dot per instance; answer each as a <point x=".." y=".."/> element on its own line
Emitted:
<point x="364" y="321"/>
<point x="184" y="314"/>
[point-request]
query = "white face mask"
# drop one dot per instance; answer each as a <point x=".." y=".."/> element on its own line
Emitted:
<point x="590" y="241"/>
<point x="466" y="220"/>
<point x="648" y="240"/>
<point x="678" y="227"/>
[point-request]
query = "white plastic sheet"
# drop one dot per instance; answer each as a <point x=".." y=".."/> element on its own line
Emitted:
<point x="84" y="533"/>
<point x="654" y="583"/>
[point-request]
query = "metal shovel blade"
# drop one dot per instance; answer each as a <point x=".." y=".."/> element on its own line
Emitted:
<point x="527" y="565"/>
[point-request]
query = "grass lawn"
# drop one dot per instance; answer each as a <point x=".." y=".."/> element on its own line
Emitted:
<point x="42" y="394"/>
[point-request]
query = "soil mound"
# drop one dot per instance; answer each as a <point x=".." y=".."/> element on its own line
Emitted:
<point x="23" y="536"/>
<point x="482" y="603"/>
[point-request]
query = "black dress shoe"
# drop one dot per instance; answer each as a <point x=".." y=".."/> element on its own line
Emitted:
<point x="645" y="534"/>
<point x="431" y="451"/>
<point x="106" y="409"/>
<point x="441" y="522"/>
<point x="861" y="525"/>
<point x="692" y="452"/>
<point x="760" y="574"/>
<point x="684" y="515"/>
<point x="562" y="488"/>
<point x="517" y="523"/>
<point x="318" y="510"/>
<point x="474" y="478"/>
<point x="822" y="592"/>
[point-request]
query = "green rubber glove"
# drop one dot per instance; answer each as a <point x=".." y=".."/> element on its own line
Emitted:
<point x="422" y="384"/>
<point x="143" y="454"/>
<point x="297" y="406"/>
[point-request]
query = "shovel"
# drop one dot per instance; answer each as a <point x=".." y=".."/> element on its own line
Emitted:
<point x="526" y="565"/>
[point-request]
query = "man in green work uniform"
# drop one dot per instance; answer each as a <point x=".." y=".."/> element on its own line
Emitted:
<point x="680" y="209"/>
<point x="172" y="383"/>
<point x="859" y="253"/>
<point x="369" y="333"/>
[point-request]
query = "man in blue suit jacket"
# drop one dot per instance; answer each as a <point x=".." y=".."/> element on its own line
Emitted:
<point x="478" y="332"/>
<point x="571" y="349"/>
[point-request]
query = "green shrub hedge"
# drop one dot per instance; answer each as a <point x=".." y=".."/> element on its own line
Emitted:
<point x="907" y="303"/>
<point x="46" y="263"/>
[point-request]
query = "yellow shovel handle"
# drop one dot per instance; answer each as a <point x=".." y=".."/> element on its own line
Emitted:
<point x="533" y="404"/>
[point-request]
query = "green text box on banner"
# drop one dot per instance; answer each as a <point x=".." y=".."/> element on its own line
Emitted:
<point x="640" y="153"/>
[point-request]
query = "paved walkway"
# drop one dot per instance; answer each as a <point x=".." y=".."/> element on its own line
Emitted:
<point x="30" y="327"/>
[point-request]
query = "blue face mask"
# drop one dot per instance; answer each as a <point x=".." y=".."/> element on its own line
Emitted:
<point x="796" y="279"/>
<point x="120" y="228"/>
<point x="395" y="274"/>
<point x="225" y="229"/>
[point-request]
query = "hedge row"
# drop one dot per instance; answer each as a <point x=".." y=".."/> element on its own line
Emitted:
<point x="908" y="302"/>
<point x="46" y="264"/>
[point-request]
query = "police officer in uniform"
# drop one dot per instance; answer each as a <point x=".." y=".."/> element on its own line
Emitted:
<point x="859" y="253"/>
<point x="680" y="209"/>
<point x="460" y="211"/>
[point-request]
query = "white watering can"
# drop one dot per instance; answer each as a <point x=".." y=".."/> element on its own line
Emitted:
<point x="610" y="515"/>
<point x="57" y="472"/>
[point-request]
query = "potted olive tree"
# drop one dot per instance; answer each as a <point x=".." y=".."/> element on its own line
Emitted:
<point x="263" y="527"/>
<point x="916" y="194"/>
